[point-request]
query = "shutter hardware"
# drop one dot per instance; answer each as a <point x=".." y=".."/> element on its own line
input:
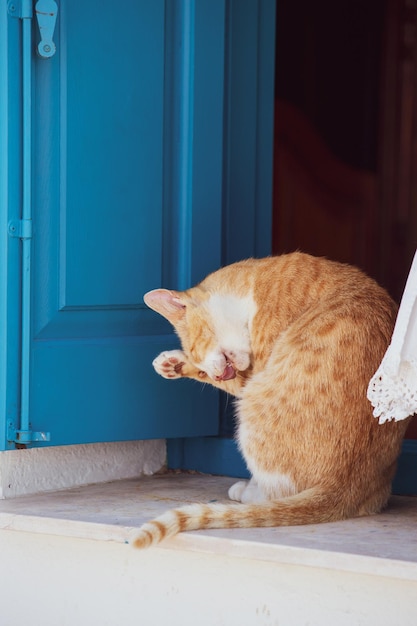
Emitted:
<point x="46" y="13"/>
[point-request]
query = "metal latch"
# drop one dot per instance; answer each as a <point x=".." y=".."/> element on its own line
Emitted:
<point x="25" y="436"/>
<point x="46" y="11"/>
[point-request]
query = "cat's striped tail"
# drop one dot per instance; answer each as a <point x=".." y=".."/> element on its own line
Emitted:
<point x="307" y="507"/>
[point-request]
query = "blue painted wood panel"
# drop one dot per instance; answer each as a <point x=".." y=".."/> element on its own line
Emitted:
<point x="127" y="196"/>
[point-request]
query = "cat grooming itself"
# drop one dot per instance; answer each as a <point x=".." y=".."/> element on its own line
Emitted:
<point x="296" y="339"/>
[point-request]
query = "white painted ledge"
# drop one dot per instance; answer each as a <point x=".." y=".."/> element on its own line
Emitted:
<point x="381" y="545"/>
<point x="39" y="470"/>
<point x="65" y="554"/>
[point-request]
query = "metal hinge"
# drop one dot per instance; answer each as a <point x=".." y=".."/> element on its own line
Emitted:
<point x="22" y="229"/>
<point x="24" y="437"/>
<point x="22" y="9"/>
<point x="46" y="12"/>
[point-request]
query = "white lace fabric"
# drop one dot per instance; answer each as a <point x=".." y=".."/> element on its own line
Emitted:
<point x="392" y="390"/>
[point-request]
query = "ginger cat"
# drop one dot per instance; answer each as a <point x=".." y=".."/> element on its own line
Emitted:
<point x="296" y="339"/>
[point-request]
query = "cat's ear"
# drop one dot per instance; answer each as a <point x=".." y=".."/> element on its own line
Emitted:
<point x="166" y="303"/>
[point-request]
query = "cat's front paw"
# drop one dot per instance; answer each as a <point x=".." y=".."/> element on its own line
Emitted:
<point x="170" y="364"/>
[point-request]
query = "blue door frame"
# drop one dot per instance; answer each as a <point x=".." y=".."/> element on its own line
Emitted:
<point x="247" y="190"/>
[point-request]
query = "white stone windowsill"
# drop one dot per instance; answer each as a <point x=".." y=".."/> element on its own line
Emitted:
<point x="381" y="545"/>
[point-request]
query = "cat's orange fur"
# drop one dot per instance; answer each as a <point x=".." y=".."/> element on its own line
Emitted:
<point x="296" y="338"/>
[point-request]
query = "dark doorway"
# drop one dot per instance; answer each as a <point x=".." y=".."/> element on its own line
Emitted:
<point x="345" y="165"/>
<point x="345" y="133"/>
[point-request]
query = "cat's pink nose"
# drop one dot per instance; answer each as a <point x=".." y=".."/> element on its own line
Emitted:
<point x="240" y="360"/>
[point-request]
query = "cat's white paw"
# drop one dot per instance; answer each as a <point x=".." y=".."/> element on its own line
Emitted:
<point x="236" y="491"/>
<point x="169" y="364"/>
<point x="247" y="492"/>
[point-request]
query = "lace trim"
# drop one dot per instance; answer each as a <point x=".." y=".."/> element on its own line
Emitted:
<point x="393" y="388"/>
<point x="394" y="396"/>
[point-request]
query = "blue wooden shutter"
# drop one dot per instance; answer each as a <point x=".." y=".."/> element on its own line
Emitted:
<point x="127" y="145"/>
